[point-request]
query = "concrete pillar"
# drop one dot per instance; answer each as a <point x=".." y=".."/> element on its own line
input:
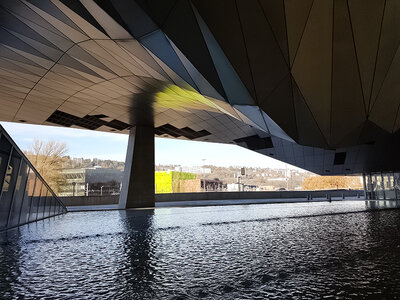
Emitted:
<point x="138" y="182"/>
<point x="365" y="185"/>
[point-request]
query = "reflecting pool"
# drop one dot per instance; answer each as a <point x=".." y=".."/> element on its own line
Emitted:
<point x="305" y="250"/>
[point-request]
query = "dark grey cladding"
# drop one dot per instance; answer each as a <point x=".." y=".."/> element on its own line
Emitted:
<point x="309" y="79"/>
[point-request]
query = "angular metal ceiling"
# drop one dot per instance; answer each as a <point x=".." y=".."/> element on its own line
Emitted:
<point x="303" y="81"/>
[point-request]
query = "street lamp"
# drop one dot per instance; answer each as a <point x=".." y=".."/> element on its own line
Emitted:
<point x="101" y="190"/>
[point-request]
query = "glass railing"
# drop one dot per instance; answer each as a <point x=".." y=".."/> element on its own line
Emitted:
<point x="24" y="195"/>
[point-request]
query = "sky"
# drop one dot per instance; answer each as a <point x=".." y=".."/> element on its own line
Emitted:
<point x="102" y="145"/>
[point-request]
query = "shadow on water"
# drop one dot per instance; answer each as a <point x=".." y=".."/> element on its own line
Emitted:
<point x="138" y="249"/>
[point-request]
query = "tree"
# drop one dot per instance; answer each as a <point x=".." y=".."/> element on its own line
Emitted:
<point x="47" y="158"/>
<point x="330" y="182"/>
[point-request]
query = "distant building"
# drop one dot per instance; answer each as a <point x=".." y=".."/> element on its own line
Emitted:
<point x="195" y="170"/>
<point x="74" y="184"/>
<point x="91" y="181"/>
<point x="184" y="182"/>
<point x="103" y="181"/>
<point x="266" y="188"/>
<point x="172" y="182"/>
<point x="277" y="179"/>
<point x="78" y="160"/>
<point x="212" y="185"/>
<point x="240" y="187"/>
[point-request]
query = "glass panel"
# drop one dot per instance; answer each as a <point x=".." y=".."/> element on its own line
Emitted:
<point x="367" y="186"/>
<point x="48" y="205"/>
<point x="397" y="184"/>
<point x="51" y="208"/>
<point x="371" y="186"/>
<point x="5" y="149"/>
<point x="42" y="202"/>
<point x="18" y="195"/>
<point x="26" y="204"/>
<point x="57" y="207"/>
<point x="378" y="186"/>
<point x="54" y="206"/>
<point x="389" y="186"/>
<point x="8" y="188"/>
<point x="35" y="200"/>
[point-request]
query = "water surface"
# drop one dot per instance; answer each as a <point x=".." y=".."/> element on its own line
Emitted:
<point x="304" y="250"/>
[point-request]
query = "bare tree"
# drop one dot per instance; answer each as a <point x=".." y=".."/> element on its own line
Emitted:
<point x="331" y="182"/>
<point x="47" y="158"/>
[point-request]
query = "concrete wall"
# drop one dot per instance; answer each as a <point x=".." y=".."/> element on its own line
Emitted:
<point x="256" y="195"/>
<point x="113" y="199"/>
<point x="90" y="200"/>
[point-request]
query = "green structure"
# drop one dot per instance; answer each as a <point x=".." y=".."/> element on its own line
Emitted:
<point x="170" y="181"/>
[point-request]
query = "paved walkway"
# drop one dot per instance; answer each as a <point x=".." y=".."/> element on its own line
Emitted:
<point x="209" y="203"/>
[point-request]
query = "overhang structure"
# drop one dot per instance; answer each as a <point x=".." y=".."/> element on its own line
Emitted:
<point x="314" y="83"/>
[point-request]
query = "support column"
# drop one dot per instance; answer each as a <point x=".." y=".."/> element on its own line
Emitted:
<point x="365" y="186"/>
<point x="138" y="181"/>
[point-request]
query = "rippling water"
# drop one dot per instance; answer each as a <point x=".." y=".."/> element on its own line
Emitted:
<point x="304" y="250"/>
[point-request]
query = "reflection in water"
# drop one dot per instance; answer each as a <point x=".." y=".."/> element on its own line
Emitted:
<point x="138" y="251"/>
<point x="382" y="204"/>
<point x="305" y="250"/>
<point x="9" y="271"/>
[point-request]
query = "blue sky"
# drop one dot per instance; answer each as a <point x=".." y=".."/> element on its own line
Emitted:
<point x="91" y="144"/>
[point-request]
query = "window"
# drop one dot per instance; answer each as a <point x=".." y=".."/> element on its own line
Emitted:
<point x="7" y="192"/>
<point x="18" y="195"/>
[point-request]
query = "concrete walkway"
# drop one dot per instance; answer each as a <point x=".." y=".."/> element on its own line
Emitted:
<point x="92" y="207"/>
<point x="209" y="203"/>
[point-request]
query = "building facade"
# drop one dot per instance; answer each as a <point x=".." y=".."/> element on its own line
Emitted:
<point x="91" y="181"/>
<point x="383" y="186"/>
